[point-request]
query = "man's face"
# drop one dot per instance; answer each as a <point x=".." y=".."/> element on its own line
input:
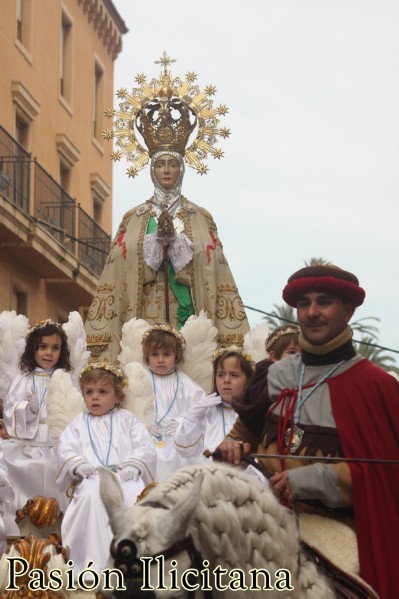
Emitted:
<point x="322" y="316"/>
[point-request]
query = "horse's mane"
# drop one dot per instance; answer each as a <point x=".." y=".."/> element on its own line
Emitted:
<point x="238" y="523"/>
<point x="234" y="519"/>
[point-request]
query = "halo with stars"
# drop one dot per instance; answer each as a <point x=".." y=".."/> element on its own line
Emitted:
<point x="188" y="92"/>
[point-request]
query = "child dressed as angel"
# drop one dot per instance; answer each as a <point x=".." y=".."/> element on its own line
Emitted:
<point x="109" y="436"/>
<point x="204" y="427"/>
<point x="29" y="450"/>
<point x="174" y="391"/>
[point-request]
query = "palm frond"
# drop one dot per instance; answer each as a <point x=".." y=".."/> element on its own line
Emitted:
<point x="367" y="349"/>
<point x="368" y="330"/>
<point x="313" y="261"/>
<point x="280" y="315"/>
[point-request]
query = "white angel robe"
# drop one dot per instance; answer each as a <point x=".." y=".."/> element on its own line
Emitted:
<point x="29" y="454"/>
<point x="174" y="394"/>
<point x="114" y="439"/>
<point x="6" y="496"/>
<point x="193" y="436"/>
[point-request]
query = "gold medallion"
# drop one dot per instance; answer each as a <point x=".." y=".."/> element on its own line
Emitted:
<point x="296" y="440"/>
<point x="161" y="443"/>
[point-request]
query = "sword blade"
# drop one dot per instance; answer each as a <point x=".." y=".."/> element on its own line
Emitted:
<point x="322" y="458"/>
<point x="310" y="458"/>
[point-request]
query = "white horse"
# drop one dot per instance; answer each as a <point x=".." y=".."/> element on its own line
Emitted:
<point x="215" y="520"/>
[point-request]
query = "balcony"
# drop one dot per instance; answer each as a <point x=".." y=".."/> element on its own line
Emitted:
<point x="41" y="223"/>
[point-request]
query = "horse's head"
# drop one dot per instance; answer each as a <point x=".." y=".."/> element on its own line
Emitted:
<point x="149" y="529"/>
<point x="236" y="524"/>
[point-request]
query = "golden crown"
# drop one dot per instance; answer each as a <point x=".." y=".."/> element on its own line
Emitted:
<point x="166" y="111"/>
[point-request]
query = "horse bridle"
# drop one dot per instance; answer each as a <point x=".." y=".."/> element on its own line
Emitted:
<point x="124" y="554"/>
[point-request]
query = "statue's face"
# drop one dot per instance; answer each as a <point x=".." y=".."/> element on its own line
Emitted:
<point x="167" y="171"/>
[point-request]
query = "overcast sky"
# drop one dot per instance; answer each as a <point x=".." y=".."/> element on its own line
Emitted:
<point x="312" y="164"/>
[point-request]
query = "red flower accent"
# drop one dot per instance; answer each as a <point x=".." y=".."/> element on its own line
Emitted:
<point x="211" y="247"/>
<point x="121" y="243"/>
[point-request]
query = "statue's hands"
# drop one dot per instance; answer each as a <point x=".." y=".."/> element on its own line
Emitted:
<point x="166" y="229"/>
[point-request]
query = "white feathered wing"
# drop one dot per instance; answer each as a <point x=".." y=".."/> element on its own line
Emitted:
<point x="64" y="402"/>
<point x="131" y="348"/>
<point x="254" y="342"/>
<point x="200" y="335"/>
<point x="139" y="397"/>
<point x="79" y="354"/>
<point x="13" y="331"/>
<point x="139" y="394"/>
<point x="64" y="399"/>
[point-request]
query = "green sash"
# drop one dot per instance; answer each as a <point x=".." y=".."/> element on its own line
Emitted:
<point x="180" y="290"/>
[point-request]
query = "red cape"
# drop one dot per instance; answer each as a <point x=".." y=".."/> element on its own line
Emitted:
<point x="365" y="404"/>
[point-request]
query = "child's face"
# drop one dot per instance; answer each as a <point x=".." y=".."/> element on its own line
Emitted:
<point x="292" y="349"/>
<point x="230" y="379"/>
<point x="161" y="361"/>
<point x="48" y="351"/>
<point x="100" y="397"/>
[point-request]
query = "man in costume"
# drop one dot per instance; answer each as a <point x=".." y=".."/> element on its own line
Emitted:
<point x="329" y="401"/>
<point x="166" y="262"/>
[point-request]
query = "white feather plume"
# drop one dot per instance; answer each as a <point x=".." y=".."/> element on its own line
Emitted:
<point x="200" y="335"/>
<point x="131" y="349"/>
<point x="64" y="402"/>
<point x="254" y="342"/>
<point x="139" y="394"/>
<point x="13" y="331"/>
<point x="79" y="355"/>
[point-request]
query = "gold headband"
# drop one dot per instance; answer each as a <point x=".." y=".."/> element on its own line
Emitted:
<point x="166" y="329"/>
<point x="233" y="349"/>
<point x="271" y="340"/>
<point x="115" y="370"/>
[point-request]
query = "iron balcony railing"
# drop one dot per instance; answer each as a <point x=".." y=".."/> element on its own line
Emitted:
<point x="54" y="208"/>
<point x="27" y="185"/>
<point x="94" y="245"/>
<point x="14" y="171"/>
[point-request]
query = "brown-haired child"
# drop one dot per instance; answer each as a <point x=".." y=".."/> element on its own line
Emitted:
<point x="29" y="452"/>
<point x="283" y="342"/>
<point x="207" y="423"/>
<point x="175" y="393"/>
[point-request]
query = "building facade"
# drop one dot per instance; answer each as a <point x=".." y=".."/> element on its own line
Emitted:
<point x="56" y="80"/>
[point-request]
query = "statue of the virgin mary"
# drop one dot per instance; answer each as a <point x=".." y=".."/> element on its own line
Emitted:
<point x="166" y="261"/>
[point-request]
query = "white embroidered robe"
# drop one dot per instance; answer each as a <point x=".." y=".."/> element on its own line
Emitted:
<point x="85" y="531"/>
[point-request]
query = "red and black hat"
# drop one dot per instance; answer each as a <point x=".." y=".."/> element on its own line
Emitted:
<point x="325" y="278"/>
